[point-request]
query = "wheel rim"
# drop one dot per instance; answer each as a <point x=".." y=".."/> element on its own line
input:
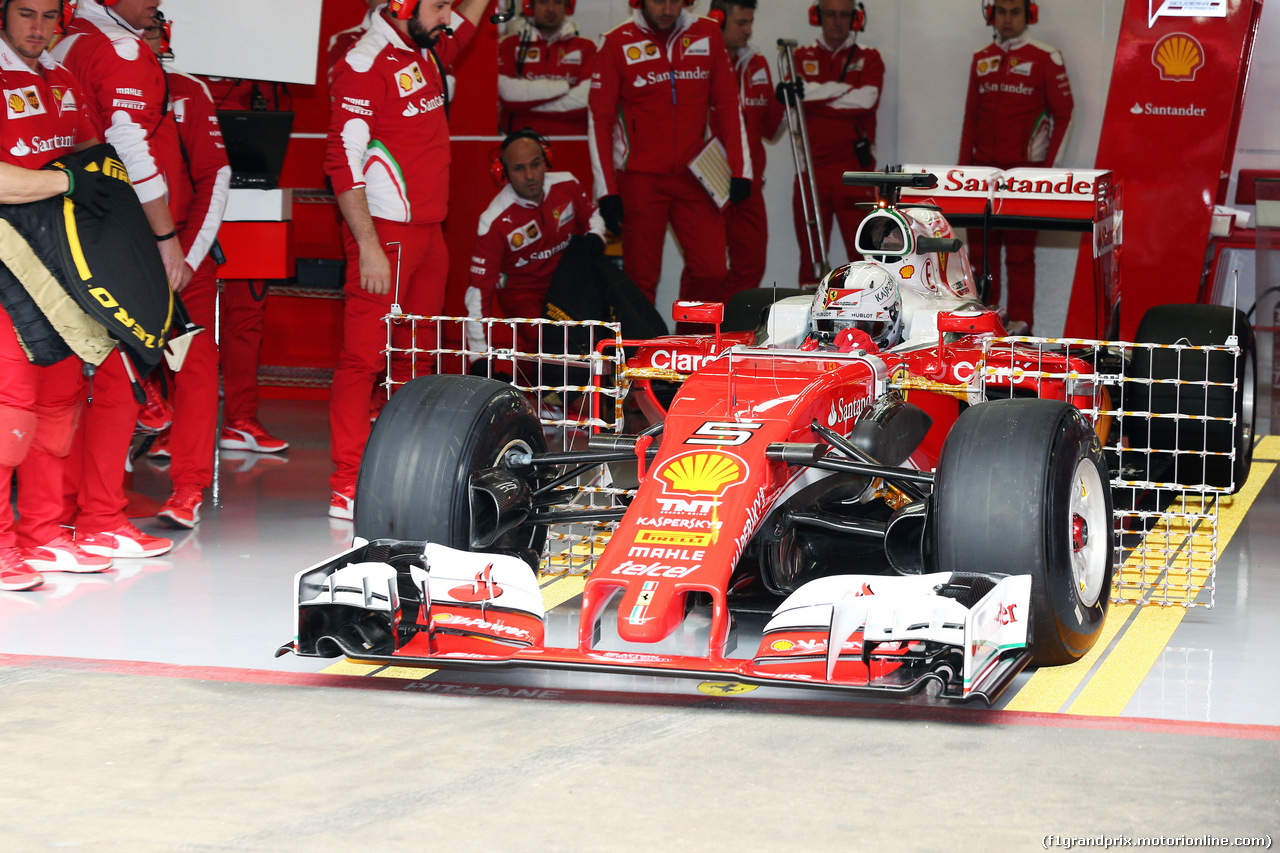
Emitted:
<point x="1088" y="534"/>
<point x="1247" y="399"/>
<point x="517" y="445"/>
<point x="523" y="536"/>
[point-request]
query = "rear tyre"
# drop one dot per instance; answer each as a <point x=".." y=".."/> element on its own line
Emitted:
<point x="1021" y="488"/>
<point x="1198" y="325"/>
<point x="431" y="437"/>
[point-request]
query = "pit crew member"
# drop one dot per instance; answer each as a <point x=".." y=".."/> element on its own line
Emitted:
<point x="39" y="405"/>
<point x="746" y="224"/>
<point x="1017" y="113"/>
<point x="388" y="159"/>
<point x="656" y="77"/>
<point x="195" y="388"/>
<point x="523" y="234"/>
<point x="125" y="87"/>
<point x="544" y="72"/>
<point x="841" y="85"/>
<point x="344" y="40"/>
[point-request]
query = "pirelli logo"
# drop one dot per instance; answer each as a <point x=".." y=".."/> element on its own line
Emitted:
<point x="112" y="168"/>
<point x="673" y="538"/>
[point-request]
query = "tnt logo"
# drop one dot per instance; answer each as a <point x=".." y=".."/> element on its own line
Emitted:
<point x="1006" y="615"/>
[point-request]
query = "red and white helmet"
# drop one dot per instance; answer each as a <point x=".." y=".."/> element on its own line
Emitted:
<point x="863" y="296"/>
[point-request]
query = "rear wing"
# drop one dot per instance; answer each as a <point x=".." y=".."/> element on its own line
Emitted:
<point x="1033" y="199"/>
<point x="1030" y="198"/>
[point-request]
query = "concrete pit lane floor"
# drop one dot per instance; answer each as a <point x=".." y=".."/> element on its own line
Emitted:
<point x="143" y="710"/>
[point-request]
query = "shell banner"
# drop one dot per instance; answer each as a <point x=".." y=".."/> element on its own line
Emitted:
<point x="1168" y="136"/>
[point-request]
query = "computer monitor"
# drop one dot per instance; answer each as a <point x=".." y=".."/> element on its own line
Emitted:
<point x="256" y="142"/>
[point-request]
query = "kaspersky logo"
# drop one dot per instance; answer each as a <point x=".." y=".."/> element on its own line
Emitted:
<point x="1178" y="56"/>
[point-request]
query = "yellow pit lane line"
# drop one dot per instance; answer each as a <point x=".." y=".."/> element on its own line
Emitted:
<point x="1140" y="634"/>
<point x="556" y="590"/>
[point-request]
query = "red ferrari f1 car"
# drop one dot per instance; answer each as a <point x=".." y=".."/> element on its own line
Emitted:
<point x="872" y="489"/>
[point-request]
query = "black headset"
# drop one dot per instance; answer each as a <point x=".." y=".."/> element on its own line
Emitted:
<point x="498" y="169"/>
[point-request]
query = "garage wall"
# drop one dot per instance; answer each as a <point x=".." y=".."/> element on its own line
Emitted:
<point x="926" y="45"/>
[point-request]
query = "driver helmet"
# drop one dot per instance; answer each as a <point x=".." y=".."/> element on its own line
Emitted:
<point x="861" y="296"/>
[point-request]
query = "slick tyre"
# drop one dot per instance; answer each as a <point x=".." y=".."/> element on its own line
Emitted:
<point x="1197" y="325"/>
<point x="431" y="437"/>
<point x="1021" y="488"/>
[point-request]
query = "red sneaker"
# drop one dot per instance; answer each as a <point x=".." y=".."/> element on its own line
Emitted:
<point x="159" y="448"/>
<point x="156" y="413"/>
<point x="342" y="504"/>
<point x="183" y="507"/>
<point x="126" y="541"/>
<point x="248" y="434"/>
<point x="64" y="555"/>
<point x="15" y="574"/>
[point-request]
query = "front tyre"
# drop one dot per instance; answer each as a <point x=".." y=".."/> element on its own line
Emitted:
<point x="1021" y="489"/>
<point x="432" y="436"/>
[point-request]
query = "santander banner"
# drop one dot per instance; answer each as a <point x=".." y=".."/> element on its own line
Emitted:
<point x="1168" y="136"/>
<point x="1053" y="193"/>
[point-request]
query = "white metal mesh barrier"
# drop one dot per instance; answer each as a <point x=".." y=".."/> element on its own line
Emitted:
<point x="568" y="371"/>
<point x="1168" y="419"/>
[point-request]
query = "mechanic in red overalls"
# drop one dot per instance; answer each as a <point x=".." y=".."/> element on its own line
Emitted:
<point x="125" y="85"/>
<point x="388" y="159"/>
<point x="656" y="77"/>
<point x="195" y="393"/>
<point x="343" y="40"/>
<point x="746" y="224"/>
<point x="842" y="85"/>
<point x="39" y="406"/>
<point x="544" y="72"/>
<point x="522" y="235"/>
<point x="1017" y="113"/>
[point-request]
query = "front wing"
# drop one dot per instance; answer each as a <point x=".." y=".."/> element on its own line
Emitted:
<point x="416" y="603"/>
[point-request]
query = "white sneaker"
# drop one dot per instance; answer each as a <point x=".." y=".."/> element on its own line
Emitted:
<point x="64" y="555"/>
<point x="342" y="505"/>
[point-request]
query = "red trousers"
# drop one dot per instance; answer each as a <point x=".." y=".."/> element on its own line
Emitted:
<point x="244" y="303"/>
<point x="1020" y="258"/>
<point x="93" y="478"/>
<point x="746" y="227"/>
<point x="39" y="408"/>
<point x="526" y="302"/>
<point x="424" y="267"/>
<point x="195" y="391"/>
<point x="833" y="198"/>
<point x="649" y="203"/>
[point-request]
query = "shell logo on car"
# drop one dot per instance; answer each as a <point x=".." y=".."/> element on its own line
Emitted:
<point x="703" y="473"/>
<point x="1178" y="56"/>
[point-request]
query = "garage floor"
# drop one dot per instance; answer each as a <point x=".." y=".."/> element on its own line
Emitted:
<point x="143" y="707"/>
